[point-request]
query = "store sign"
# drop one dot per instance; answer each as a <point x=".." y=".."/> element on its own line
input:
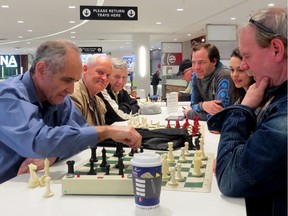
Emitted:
<point x="108" y="13"/>
<point x="8" y="61"/>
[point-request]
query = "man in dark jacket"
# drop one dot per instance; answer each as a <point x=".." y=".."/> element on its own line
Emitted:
<point x="119" y="104"/>
<point x="252" y="152"/>
<point x="155" y="81"/>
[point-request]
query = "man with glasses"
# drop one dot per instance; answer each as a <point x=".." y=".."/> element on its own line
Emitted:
<point x="252" y="151"/>
<point x="185" y="72"/>
<point x="119" y="104"/>
<point x="212" y="86"/>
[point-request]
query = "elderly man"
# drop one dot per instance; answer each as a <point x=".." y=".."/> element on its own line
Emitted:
<point x="119" y="104"/>
<point x="252" y="152"/>
<point x="95" y="78"/>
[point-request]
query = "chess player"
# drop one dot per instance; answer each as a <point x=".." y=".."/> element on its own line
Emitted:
<point x="119" y="103"/>
<point x="95" y="78"/>
<point x="39" y="120"/>
<point x="252" y="151"/>
<point x="212" y="86"/>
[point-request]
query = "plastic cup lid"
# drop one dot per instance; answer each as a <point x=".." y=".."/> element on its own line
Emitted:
<point x="146" y="160"/>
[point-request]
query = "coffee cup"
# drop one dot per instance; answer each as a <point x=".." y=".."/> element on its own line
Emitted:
<point x="147" y="179"/>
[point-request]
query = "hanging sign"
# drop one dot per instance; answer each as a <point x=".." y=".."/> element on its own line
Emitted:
<point x="108" y="13"/>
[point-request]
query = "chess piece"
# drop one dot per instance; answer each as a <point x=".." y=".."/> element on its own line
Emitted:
<point x="104" y="160"/>
<point x="107" y="169"/>
<point x="182" y="158"/>
<point x="46" y="172"/>
<point x="121" y="167"/>
<point x="203" y="157"/>
<point x="70" y="165"/>
<point x="93" y="154"/>
<point x="131" y="153"/>
<point x="197" y="165"/>
<point x="165" y="167"/>
<point x="172" y="181"/>
<point x="170" y="158"/>
<point x="186" y="146"/>
<point x="179" y="176"/>
<point x="48" y="192"/>
<point x="92" y="171"/>
<point x="168" y="124"/>
<point x="33" y="180"/>
<point x="177" y="124"/>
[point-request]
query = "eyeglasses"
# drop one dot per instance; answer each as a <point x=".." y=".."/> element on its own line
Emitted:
<point x="186" y="70"/>
<point x="261" y="27"/>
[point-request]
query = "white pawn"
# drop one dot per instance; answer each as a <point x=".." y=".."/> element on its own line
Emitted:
<point x="172" y="181"/>
<point x="182" y="158"/>
<point x="48" y="192"/>
<point x="165" y="167"/>
<point x="33" y="180"/>
<point x="170" y="158"/>
<point x="203" y="157"/>
<point x="179" y="176"/>
<point x="186" y="146"/>
<point x="197" y="166"/>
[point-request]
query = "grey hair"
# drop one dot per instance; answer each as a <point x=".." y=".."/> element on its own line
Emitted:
<point x="53" y="54"/>
<point x="92" y="59"/>
<point x="276" y="20"/>
<point x="119" y="63"/>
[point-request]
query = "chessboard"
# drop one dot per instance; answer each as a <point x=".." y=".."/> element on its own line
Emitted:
<point x="114" y="184"/>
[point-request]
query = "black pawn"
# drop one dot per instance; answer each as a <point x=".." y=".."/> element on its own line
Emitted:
<point x="104" y="160"/>
<point x="93" y="154"/>
<point x="131" y="153"/>
<point x="119" y="150"/>
<point x="92" y="171"/>
<point x="107" y="169"/>
<point x="121" y="166"/>
<point x="70" y="164"/>
<point x="141" y="149"/>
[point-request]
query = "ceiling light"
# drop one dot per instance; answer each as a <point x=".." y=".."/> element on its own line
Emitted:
<point x="29" y="30"/>
<point x="71" y="21"/>
<point x="20" y="36"/>
<point x="73" y="32"/>
<point x="72" y="7"/>
<point x="5" y="6"/>
<point x="188" y="35"/>
<point x="271" y="5"/>
<point x="233" y="18"/>
<point x="20" y="21"/>
<point x="158" y="23"/>
<point x="73" y="37"/>
<point x="180" y="9"/>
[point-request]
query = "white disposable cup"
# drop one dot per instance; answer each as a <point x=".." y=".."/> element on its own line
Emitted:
<point x="147" y="179"/>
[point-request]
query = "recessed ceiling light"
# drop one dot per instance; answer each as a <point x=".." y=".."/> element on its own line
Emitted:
<point x="73" y="32"/>
<point x="158" y="23"/>
<point x="233" y="18"/>
<point x="175" y="39"/>
<point x="5" y="6"/>
<point x="72" y="7"/>
<point x="71" y="21"/>
<point x="271" y="5"/>
<point x="20" y="21"/>
<point x="180" y="9"/>
<point x="188" y="35"/>
<point x="20" y="36"/>
<point x="73" y="37"/>
<point x="29" y="30"/>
